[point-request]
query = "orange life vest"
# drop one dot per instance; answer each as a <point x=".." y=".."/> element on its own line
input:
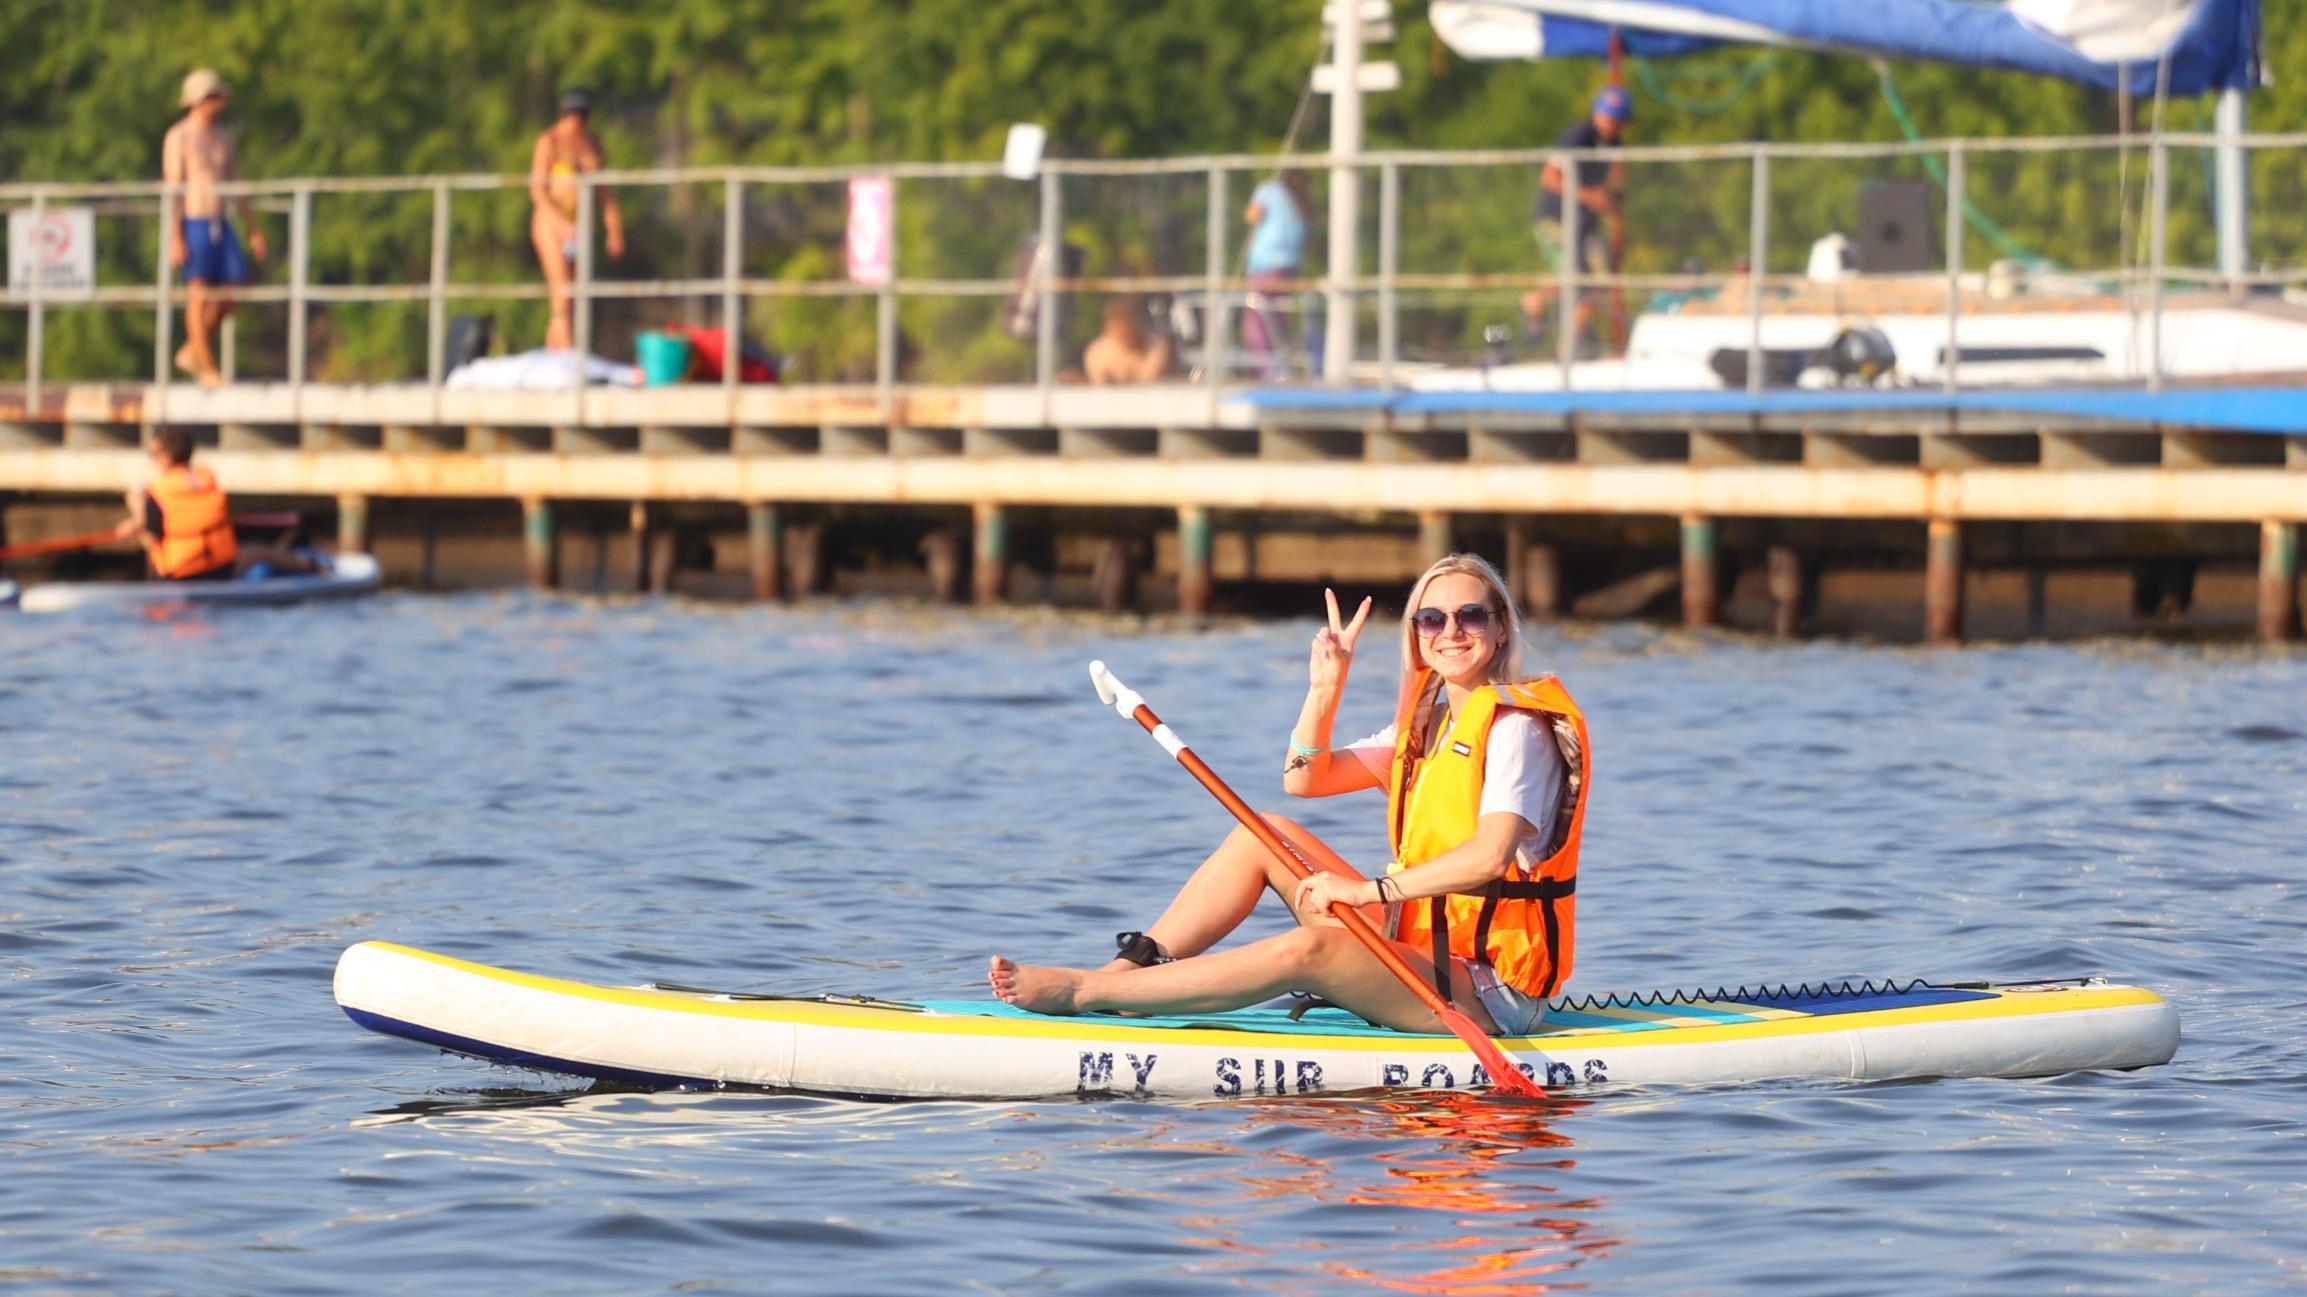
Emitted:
<point x="196" y="524"/>
<point x="1524" y="925"/>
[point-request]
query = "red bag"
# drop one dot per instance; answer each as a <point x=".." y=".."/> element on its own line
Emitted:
<point x="708" y="346"/>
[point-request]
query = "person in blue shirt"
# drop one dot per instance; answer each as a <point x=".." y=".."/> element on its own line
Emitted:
<point x="1601" y="189"/>
<point x="1277" y="217"/>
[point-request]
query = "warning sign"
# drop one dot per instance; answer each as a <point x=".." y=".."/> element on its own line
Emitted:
<point x="55" y="249"/>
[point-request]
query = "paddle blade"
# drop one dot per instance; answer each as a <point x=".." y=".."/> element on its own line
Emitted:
<point x="1505" y="1077"/>
<point x="1107" y="687"/>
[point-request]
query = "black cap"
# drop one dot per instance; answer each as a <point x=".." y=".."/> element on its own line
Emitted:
<point x="576" y="99"/>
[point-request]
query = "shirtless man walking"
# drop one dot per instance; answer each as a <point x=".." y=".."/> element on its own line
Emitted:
<point x="565" y="150"/>
<point x="195" y="156"/>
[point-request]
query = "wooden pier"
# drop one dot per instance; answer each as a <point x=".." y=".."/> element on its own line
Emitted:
<point x="1738" y="508"/>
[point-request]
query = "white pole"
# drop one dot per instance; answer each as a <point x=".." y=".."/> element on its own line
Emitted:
<point x="2159" y="179"/>
<point x="732" y="310"/>
<point x="1957" y="178"/>
<point x="1757" y="261"/>
<point x="1389" y="264"/>
<point x="1215" y="317"/>
<point x="1345" y="190"/>
<point x="36" y="322"/>
<point x="299" y="279"/>
<point x="2234" y="186"/>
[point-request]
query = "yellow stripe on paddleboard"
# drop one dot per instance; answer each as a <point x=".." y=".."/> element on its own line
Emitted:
<point x="1782" y="1023"/>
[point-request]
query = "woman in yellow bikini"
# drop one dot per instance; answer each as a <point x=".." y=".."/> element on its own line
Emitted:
<point x="565" y="149"/>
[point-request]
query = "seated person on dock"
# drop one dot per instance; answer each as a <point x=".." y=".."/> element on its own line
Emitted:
<point x="1122" y="352"/>
<point x="185" y="520"/>
<point x="1486" y="775"/>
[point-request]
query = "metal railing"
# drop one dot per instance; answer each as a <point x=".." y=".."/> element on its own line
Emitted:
<point x="1474" y="267"/>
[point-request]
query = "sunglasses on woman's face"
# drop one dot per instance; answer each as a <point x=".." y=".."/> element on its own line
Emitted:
<point x="1473" y="619"/>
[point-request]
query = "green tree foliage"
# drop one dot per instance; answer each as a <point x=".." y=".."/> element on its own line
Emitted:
<point x="328" y="88"/>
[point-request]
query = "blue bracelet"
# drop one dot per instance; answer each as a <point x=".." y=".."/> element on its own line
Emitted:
<point x="1301" y="749"/>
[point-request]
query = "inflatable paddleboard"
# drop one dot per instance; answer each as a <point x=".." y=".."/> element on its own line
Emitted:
<point x="348" y="575"/>
<point x="685" y="1037"/>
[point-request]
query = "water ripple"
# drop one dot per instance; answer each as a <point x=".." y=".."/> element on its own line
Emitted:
<point x="196" y="817"/>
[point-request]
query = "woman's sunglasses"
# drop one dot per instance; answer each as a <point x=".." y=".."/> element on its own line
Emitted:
<point x="1473" y="619"/>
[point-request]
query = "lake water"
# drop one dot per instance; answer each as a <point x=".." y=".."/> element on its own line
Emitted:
<point x="197" y="816"/>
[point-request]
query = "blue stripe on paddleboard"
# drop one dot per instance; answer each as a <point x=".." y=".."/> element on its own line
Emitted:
<point x="520" y="1057"/>
<point x="1720" y="1009"/>
<point x="1566" y="1019"/>
<point x="1315" y="1022"/>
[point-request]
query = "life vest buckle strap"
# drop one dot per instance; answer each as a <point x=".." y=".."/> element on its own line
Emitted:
<point x="1542" y="889"/>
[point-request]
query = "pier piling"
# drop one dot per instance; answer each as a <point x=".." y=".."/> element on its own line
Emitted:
<point x="763" y="546"/>
<point x="805" y="558"/>
<point x="2278" y="580"/>
<point x="1541" y="585"/>
<point x="538" y="544"/>
<point x="1789" y="591"/>
<point x="1113" y="574"/>
<point x="1193" y="559"/>
<point x="352" y="524"/>
<point x="1434" y="539"/>
<point x="1943" y="583"/>
<point x="989" y="572"/>
<point x="1700" y="603"/>
<point x="941" y="553"/>
<point x="661" y="553"/>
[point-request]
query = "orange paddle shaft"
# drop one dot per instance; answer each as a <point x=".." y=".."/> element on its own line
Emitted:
<point x="31" y="547"/>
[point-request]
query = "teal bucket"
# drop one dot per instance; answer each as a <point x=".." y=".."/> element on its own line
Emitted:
<point x="664" y="358"/>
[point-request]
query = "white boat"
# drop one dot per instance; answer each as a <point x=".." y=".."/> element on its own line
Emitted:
<point x="684" y="1037"/>
<point x="2085" y="339"/>
<point x="347" y="576"/>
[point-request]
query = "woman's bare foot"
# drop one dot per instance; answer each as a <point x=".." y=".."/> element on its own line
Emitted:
<point x="1036" y="990"/>
<point x="184" y="360"/>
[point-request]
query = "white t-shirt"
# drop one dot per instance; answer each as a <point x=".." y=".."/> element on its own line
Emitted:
<point x="1521" y="774"/>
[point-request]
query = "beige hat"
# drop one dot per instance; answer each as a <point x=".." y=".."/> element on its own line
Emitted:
<point x="200" y="84"/>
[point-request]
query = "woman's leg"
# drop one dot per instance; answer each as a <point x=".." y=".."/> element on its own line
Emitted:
<point x="560" y="330"/>
<point x="1325" y="960"/>
<point x="1225" y="889"/>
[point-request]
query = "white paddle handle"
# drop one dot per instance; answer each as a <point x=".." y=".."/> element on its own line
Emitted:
<point x="1126" y="701"/>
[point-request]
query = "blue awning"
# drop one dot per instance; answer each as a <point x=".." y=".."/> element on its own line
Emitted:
<point x="2208" y="44"/>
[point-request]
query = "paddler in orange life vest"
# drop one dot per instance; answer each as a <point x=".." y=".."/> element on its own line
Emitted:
<point x="1486" y="774"/>
<point x="181" y="515"/>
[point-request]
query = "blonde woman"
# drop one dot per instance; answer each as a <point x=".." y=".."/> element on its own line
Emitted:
<point x="1486" y="775"/>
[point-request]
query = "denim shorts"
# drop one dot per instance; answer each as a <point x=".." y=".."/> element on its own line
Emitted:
<point x="1515" y="1014"/>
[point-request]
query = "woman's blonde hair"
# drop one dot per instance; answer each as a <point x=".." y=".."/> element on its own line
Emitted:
<point x="1506" y="662"/>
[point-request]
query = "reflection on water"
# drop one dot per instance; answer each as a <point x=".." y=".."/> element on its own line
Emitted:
<point x="1482" y="1163"/>
<point x="1488" y="1168"/>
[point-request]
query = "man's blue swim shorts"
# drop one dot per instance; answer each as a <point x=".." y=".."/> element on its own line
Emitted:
<point x="212" y="252"/>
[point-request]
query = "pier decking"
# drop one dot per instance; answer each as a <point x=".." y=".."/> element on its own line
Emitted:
<point x="2232" y="455"/>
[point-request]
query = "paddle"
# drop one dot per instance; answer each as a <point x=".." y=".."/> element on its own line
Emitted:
<point x="32" y="547"/>
<point x="1505" y="1077"/>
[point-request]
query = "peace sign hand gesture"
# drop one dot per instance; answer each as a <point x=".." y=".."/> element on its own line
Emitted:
<point x="1333" y="651"/>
